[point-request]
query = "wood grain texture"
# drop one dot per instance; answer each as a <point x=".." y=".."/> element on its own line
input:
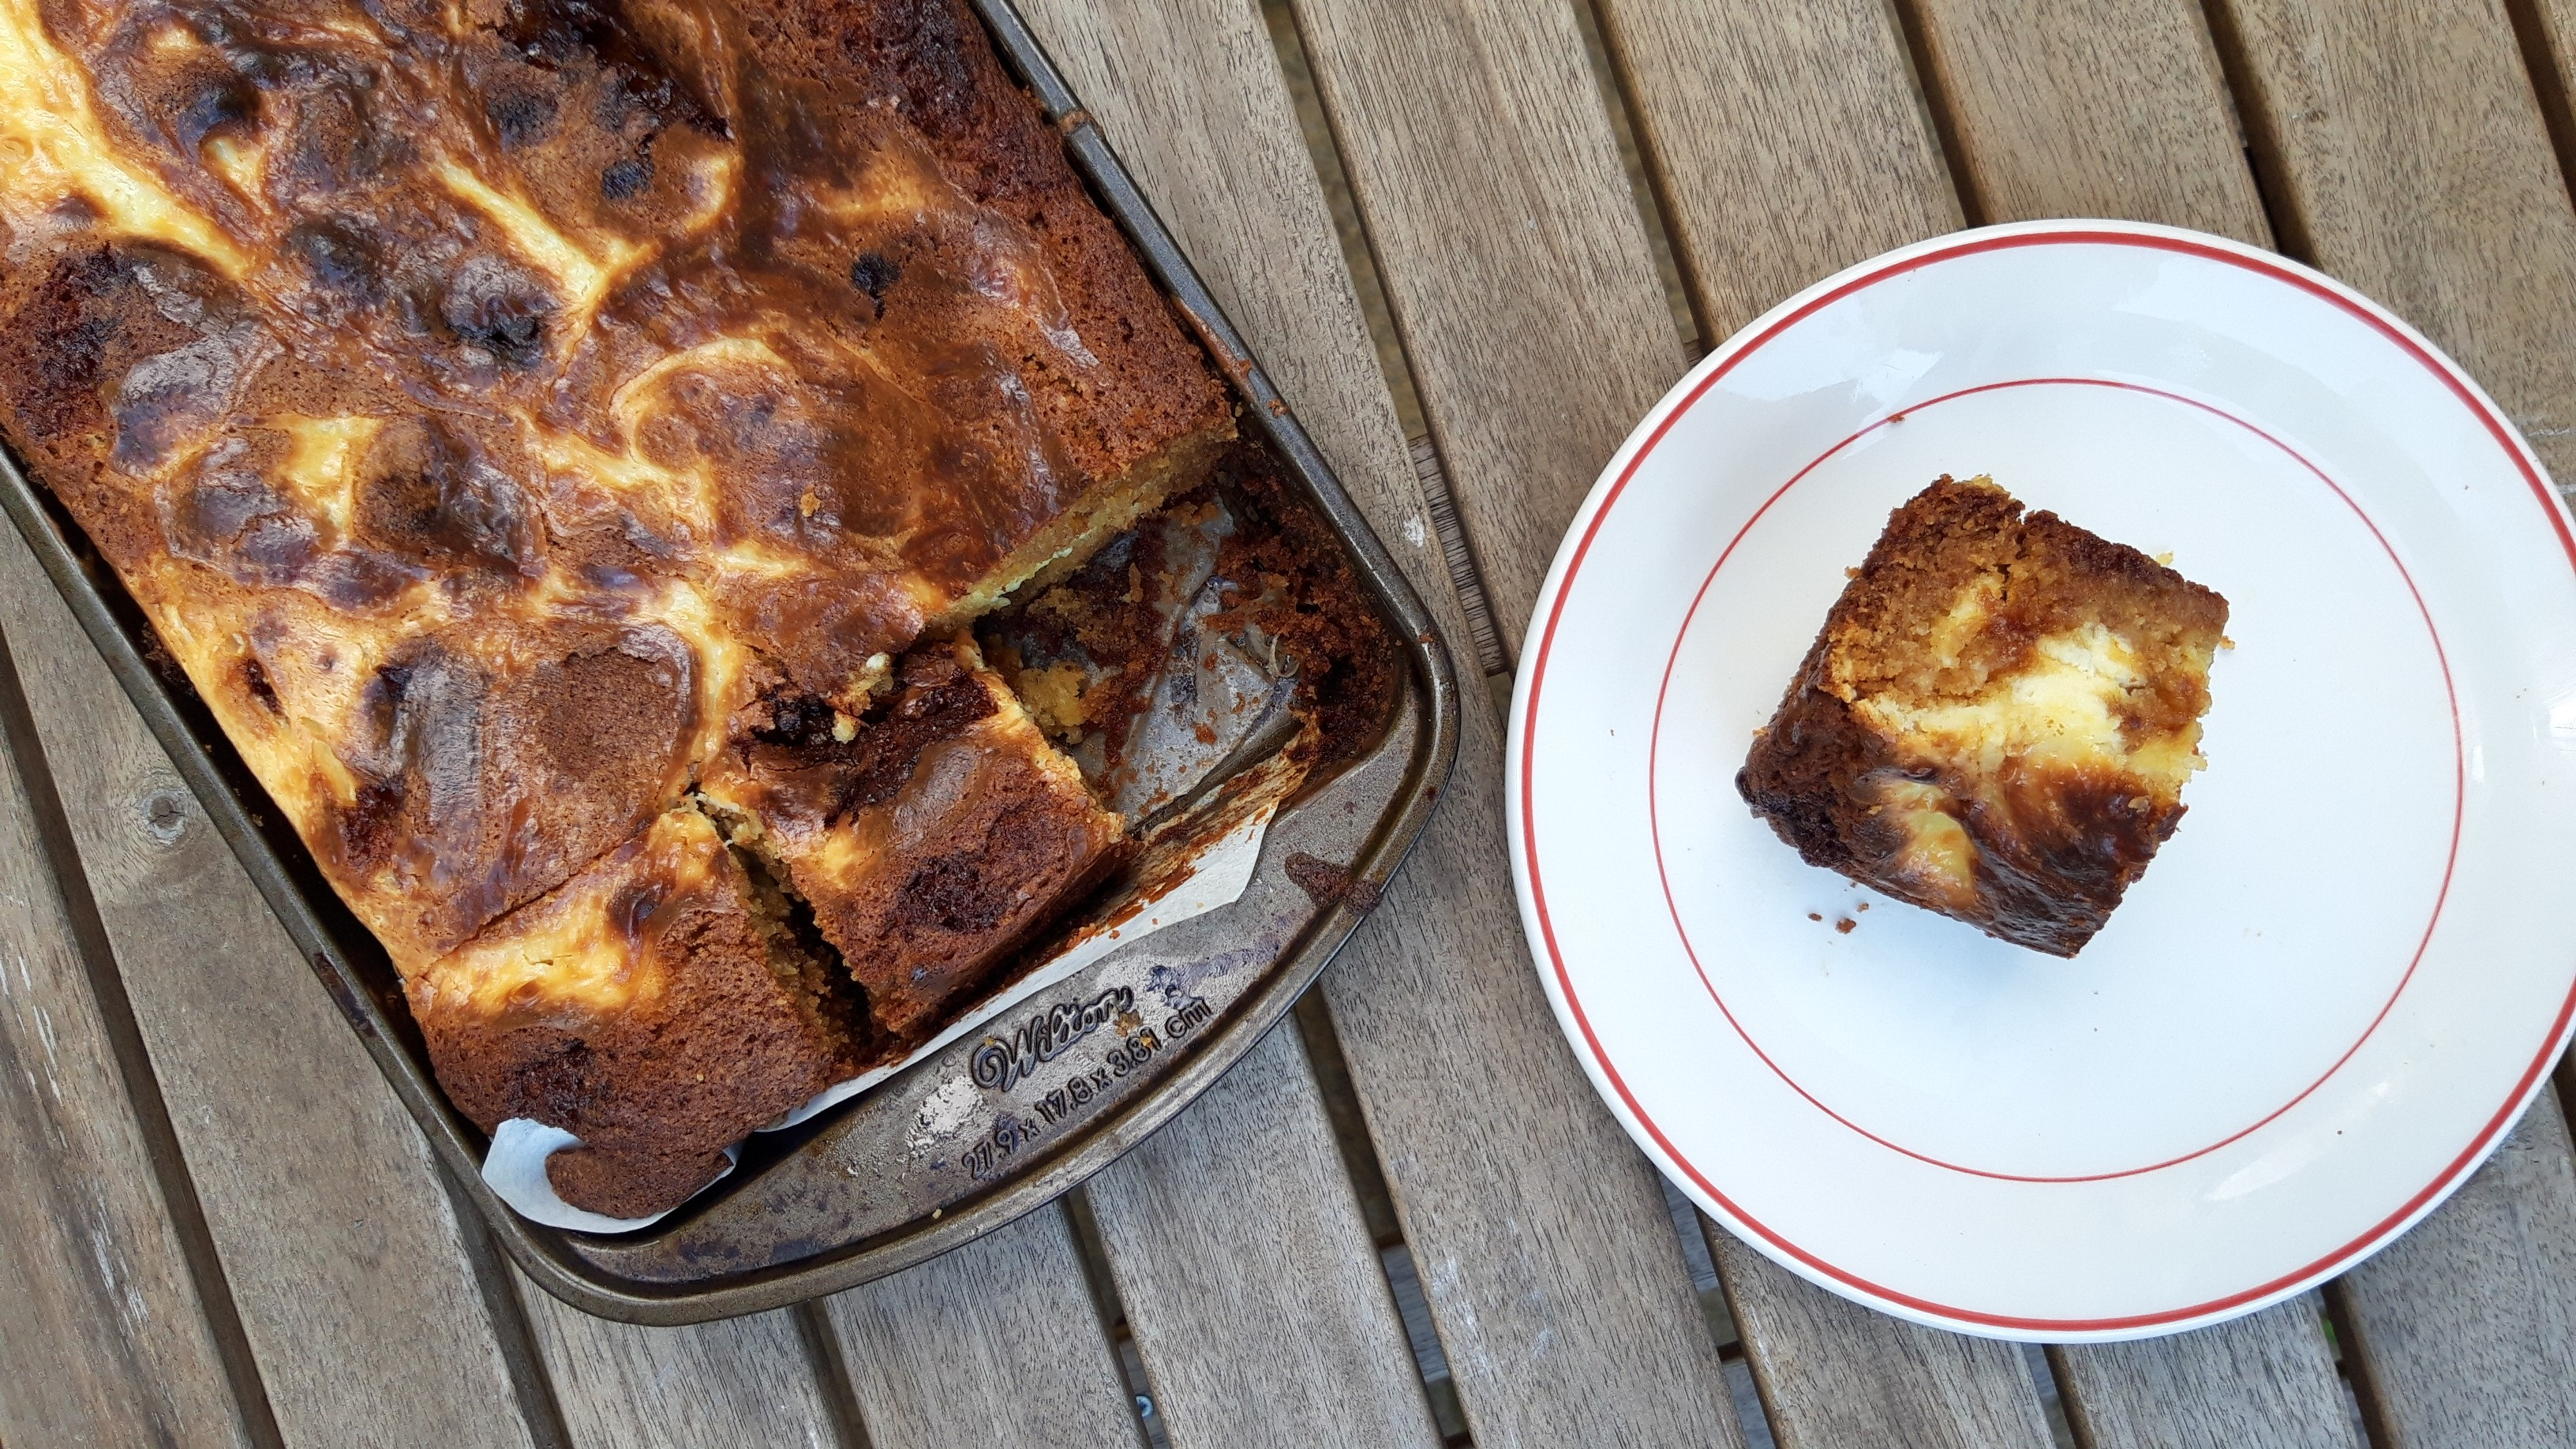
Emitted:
<point x="2408" y="149"/>
<point x="739" y="1381"/>
<point x="994" y="1343"/>
<point x="1198" y="1223"/>
<point x="1834" y="1373"/>
<point x="1789" y="141"/>
<point x="2547" y="30"/>
<point x="1237" y="1222"/>
<point x="2091" y="108"/>
<point x="1786" y="142"/>
<point x="1512" y="251"/>
<point x="336" y="1235"/>
<point x="2463" y="1332"/>
<point x="2404" y="139"/>
<point x="1554" y="1279"/>
<point x="104" y="1340"/>
<point x="2268" y="1379"/>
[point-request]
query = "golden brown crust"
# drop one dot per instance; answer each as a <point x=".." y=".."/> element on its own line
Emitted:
<point x="692" y="1015"/>
<point x="930" y="840"/>
<point x="1994" y="720"/>
<point x="492" y="403"/>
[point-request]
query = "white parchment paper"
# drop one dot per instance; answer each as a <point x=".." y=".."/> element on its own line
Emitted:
<point x="1216" y="872"/>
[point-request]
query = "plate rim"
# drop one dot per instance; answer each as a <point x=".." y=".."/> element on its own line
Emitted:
<point x="1520" y="769"/>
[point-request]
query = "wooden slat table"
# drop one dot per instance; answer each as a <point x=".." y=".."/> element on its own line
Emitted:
<point x="1404" y="1220"/>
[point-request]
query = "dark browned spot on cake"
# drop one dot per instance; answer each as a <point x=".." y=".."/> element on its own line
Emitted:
<point x="499" y="309"/>
<point x="519" y="114"/>
<point x="957" y="893"/>
<point x="625" y="179"/>
<point x="873" y="273"/>
<point x="340" y="256"/>
<point x="427" y="493"/>
<point x="256" y="683"/>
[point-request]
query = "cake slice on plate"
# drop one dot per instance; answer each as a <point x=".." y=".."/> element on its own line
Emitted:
<point x="1997" y="719"/>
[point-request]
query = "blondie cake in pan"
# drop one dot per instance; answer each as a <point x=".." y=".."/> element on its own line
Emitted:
<point x="565" y="443"/>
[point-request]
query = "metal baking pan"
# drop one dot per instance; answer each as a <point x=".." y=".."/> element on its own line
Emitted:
<point x="856" y="1194"/>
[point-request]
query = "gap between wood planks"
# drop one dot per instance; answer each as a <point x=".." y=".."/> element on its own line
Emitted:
<point x="2547" y="56"/>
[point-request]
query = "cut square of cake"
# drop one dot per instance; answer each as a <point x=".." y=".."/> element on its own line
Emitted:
<point x="657" y="1006"/>
<point x="929" y="835"/>
<point x="1997" y="719"/>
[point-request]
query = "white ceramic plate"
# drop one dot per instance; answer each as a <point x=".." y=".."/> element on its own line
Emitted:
<point x="2338" y="984"/>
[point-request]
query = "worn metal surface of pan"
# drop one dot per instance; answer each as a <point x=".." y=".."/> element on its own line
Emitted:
<point x="1002" y="1121"/>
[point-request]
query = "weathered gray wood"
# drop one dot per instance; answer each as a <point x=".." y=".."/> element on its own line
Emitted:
<point x="339" y="1242"/>
<point x="1249" y="1280"/>
<point x="2092" y="108"/>
<point x="1515" y="260"/>
<point x="1557" y="1288"/>
<point x="103" y="1339"/>
<point x="2404" y="140"/>
<point x="2547" y="30"/>
<point x="2463" y="1332"/>
<point x="1832" y="1372"/>
<point x="1786" y="141"/>
<point x="2267" y="1379"/>
<point x="741" y="1381"/>
<point x="995" y="1343"/>
<point x="1198" y="1223"/>
<point x="1789" y="141"/>
<point x="2118" y="108"/>
<point x="2409" y="151"/>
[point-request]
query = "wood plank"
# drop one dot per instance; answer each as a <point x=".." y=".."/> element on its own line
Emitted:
<point x="2118" y="108"/>
<point x="1197" y="1223"/>
<point x="995" y="1343"/>
<point x="2409" y="151"/>
<point x="2091" y="108"/>
<point x="1785" y="141"/>
<point x="105" y="1340"/>
<point x="1512" y="251"/>
<point x="2268" y="1378"/>
<point x="739" y="1381"/>
<point x="1218" y="1235"/>
<point x="2404" y="141"/>
<point x="2547" y="31"/>
<point x="2463" y="1332"/>
<point x="340" y="1243"/>
<point x="1832" y="1372"/>
<point x="1732" y="104"/>
<point x="1538" y="1230"/>
<point x="1468" y="1092"/>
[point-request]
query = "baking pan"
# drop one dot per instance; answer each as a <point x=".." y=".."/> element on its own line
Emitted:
<point x="1003" y="1120"/>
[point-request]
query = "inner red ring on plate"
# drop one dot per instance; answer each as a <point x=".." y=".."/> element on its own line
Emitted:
<point x="2459" y="774"/>
<point x="2331" y="1262"/>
